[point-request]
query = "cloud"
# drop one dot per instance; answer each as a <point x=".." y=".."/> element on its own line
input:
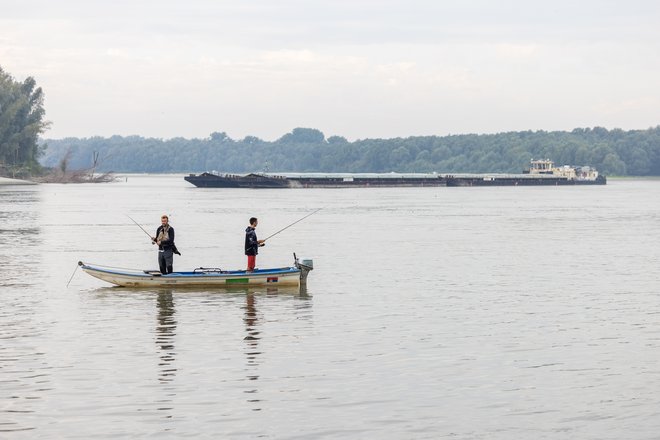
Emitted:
<point x="517" y="51"/>
<point x="358" y="69"/>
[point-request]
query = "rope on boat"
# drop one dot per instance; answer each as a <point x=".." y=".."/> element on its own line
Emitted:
<point x="74" y="272"/>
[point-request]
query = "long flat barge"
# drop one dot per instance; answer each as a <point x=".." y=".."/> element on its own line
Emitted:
<point x="541" y="172"/>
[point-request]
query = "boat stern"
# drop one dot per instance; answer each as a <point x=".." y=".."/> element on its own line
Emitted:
<point x="305" y="267"/>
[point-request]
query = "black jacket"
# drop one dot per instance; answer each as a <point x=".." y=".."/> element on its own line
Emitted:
<point x="166" y="244"/>
<point x="251" y="243"/>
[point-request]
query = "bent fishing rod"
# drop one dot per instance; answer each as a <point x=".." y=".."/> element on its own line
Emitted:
<point x="138" y="225"/>
<point x="287" y="227"/>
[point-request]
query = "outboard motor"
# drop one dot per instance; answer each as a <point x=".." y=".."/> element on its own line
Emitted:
<point x="305" y="266"/>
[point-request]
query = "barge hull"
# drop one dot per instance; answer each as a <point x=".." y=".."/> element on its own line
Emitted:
<point x="521" y="181"/>
<point x="208" y="180"/>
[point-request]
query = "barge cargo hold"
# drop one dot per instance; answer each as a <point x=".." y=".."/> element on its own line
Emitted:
<point x="258" y="180"/>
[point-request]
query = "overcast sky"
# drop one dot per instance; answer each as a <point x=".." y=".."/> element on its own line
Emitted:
<point x="354" y="68"/>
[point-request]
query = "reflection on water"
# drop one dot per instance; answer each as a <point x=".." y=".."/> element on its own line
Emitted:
<point x="165" y="333"/>
<point x="252" y="342"/>
<point x="258" y="305"/>
<point x="251" y="319"/>
<point x="24" y="371"/>
<point x="193" y="291"/>
<point x="19" y="229"/>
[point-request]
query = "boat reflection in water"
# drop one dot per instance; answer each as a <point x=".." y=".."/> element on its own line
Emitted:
<point x="167" y="324"/>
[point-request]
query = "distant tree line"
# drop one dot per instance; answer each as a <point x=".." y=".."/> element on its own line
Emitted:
<point x="21" y="123"/>
<point x="613" y="152"/>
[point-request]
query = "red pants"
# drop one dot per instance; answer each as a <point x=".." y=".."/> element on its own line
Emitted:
<point x="252" y="261"/>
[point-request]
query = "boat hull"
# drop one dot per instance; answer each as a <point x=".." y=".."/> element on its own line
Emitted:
<point x="285" y="276"/>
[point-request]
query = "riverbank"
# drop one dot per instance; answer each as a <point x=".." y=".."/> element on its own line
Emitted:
<point x="4" y="181"/>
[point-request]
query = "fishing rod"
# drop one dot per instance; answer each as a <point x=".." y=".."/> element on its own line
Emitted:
<point x="138" y="225"/>
<point x="287" y="227"/>
<point x="174" y="248"/>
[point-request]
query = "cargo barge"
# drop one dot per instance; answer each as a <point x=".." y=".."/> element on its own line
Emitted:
<point x="541" y="172"/>
<point x="258" y="180"/>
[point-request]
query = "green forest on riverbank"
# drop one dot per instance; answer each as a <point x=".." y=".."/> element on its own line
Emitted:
<point x="21" y="123"/>
<point x="612" y="152"/>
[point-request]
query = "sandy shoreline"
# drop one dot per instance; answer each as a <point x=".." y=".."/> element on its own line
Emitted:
<point x="7" y="181"/>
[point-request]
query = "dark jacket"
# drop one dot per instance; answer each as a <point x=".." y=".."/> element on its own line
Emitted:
<point x="166" y="244"/>
<point x="251" y="243"/>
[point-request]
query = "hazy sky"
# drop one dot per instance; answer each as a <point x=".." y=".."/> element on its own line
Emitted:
<point x="357" y="68"/>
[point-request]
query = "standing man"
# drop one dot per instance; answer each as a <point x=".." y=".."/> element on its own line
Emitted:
<point x="252" y="244"/>
<point x="165" y="240"/>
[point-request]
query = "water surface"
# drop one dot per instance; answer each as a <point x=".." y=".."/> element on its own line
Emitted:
<point x="472" y="313"/>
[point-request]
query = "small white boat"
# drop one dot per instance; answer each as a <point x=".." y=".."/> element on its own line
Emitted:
<point x="282" y="276"/>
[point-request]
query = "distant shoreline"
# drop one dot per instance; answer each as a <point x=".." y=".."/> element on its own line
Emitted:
<point x="5" y="181"/>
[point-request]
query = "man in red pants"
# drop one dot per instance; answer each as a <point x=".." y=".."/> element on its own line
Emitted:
<point x="252" y="244"/>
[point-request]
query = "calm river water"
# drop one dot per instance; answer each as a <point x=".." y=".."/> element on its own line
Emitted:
<point x="468" y="313"/>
